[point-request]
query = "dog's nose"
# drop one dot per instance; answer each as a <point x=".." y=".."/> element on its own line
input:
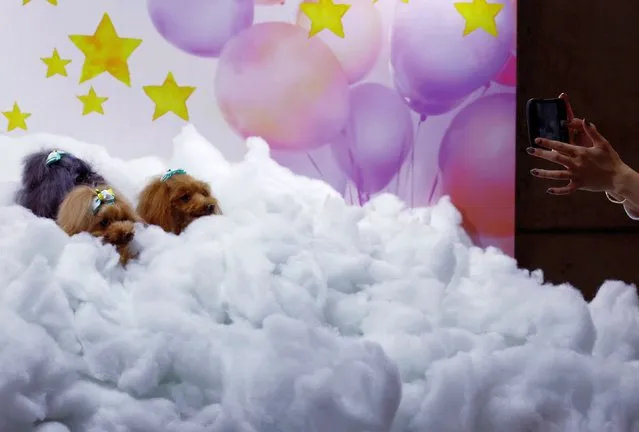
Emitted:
<point x="210" y="209"/>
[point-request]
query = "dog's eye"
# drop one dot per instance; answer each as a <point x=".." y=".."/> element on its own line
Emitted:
<point x="185" y="198"/>
<point x="104" y="223"/>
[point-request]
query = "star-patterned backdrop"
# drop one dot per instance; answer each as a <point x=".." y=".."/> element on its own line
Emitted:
<point x="411" y="97"/>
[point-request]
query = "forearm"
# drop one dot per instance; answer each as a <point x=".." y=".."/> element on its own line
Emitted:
<point x="626" y="186"/>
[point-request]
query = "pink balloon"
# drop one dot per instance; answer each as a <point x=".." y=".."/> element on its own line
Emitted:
<point x="359" y="49"/>
<point x="477" y="164"/>
<point x="275" y="82"/>
<point x="508" y="75"/>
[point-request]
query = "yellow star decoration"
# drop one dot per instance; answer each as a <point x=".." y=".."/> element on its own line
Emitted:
<point x="169" y="97"/>
<point x="17" y="119"/>
<point x="55" y="64"/>
<point x="479" y="15"/>
<point x="325" y="15"/>
<point x="53" y="2"/>
<point x="92" y="102"/>
<point x="105" y="51"/>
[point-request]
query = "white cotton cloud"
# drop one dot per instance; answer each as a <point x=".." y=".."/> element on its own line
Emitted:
<point x="295" y="311"/>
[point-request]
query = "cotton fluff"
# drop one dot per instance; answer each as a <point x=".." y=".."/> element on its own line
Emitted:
<point x="295" y="312"/>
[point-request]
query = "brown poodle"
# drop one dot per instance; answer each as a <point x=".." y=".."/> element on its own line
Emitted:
<point x="175" y="200"/>
<point x="101" y="213"/>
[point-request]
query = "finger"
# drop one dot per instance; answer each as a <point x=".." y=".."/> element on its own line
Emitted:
<point x="552" y="156"/>
<point x="576" y="123"/>
<point x="577" y="134"/>
<point x="552" y="174"/>
<point x="568" y="149"/>
<point x="570" y="113"/>
<point x="594" y="135"/>
<point x="564" y="190"/>
<point x="575" y="129"/>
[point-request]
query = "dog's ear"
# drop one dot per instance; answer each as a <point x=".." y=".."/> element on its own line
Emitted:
<point x="75" y="215"/>
<point x="35" y="171"/>
<point x="203" y="186"/>
<point x="154" y="205"/>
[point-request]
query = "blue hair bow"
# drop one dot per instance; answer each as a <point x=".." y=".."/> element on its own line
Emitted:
<point x="54" y="156"/>
<point x="170" y="173"/>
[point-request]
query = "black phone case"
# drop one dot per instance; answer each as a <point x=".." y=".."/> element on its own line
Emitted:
<point x="533" y="127"/>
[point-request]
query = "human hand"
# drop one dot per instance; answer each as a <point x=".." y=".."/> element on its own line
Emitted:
<point x="591" y="163"/>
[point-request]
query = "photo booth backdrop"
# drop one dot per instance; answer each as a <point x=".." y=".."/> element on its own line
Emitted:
<point x="411" y="97"/>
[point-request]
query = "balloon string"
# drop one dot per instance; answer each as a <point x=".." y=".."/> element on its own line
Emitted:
<point x="319" y="171"/>
<point x="358" y="176"/>
<point x="435" y="184"/>
<point x="363" y="197"/>
<point x="405" y="173"/>
<point x="412" y="177"/>
<point x="411" y="182"/>
<point x="486" y="87"/>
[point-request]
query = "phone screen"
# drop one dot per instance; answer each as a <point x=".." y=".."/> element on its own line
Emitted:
<point x="546" y="120"/>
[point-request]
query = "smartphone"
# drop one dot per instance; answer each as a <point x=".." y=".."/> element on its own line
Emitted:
<point x="546" y="119"/>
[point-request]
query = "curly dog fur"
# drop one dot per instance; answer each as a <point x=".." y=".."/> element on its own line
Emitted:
<point x="176" y="202"/>
<point x="44" y="186"/>
<point x="114" y="223"/>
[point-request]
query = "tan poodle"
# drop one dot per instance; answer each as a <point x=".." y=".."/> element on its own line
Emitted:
<point x="175" y="200"/>
<point x="102" y="213"/>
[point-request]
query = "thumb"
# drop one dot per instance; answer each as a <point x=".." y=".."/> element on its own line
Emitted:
<point x="570" y="113"/>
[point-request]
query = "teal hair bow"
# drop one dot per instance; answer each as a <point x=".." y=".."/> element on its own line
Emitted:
<point x="106" y="196"/>
<point x="170" y="173"/>
<point x="54" y="157"/>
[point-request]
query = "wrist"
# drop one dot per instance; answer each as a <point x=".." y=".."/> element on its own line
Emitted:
<point x="621" y="181"/>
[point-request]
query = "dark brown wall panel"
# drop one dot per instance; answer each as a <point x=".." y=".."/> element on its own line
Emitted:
<point x="587" y="48"/>
<point x="571" y="262"/>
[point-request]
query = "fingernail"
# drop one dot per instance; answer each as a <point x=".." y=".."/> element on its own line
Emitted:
<point x="534" y="172"/>
<point x="530" y="150"/>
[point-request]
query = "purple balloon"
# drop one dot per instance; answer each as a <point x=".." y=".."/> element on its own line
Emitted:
<point x="376" y="140"/>
<point x="435" y="67"/>
<point x="200" y="27"/>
